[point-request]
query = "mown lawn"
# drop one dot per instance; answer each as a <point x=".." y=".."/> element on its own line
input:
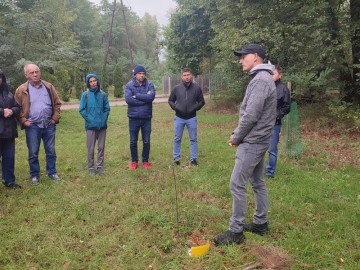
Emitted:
<point x="128" y="219"/>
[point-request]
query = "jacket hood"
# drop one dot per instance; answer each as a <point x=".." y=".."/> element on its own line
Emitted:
<point x="2" y="75"/>
<point x="265" y="67"/>
<point x="92" y="75"/>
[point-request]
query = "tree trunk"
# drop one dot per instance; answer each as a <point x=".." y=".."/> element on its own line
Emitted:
<point x="355" y="23"/>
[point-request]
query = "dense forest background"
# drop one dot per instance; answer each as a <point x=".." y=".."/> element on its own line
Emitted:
<point x="316" y="42"/>
<point x="70" y="38"/>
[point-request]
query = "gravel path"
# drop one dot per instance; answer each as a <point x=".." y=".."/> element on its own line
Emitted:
<point x="121" y="102"/>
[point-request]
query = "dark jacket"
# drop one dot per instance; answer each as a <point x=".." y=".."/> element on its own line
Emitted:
<point x="139" y="99"/>
<point x="94" y="106"/>
<point x="283" y="101"/>
<point x="186" y="100"/>
<point x="8" y="126"/>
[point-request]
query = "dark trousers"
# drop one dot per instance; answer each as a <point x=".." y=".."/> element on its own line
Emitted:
<point x="134" y="127"/>
<point x="7" y="151"/>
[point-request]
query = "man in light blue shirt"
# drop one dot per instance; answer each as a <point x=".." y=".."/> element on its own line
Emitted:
<point x="40" y="112"/>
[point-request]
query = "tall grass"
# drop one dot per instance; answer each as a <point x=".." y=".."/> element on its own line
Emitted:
<point x="128" y="219"/>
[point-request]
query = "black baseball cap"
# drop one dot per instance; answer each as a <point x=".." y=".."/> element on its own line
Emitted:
<point x="251" y="48"/>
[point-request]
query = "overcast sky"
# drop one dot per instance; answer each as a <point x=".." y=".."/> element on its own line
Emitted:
<point x="159" y="8"/>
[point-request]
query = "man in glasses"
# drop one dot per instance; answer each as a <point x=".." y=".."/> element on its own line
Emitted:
<point x="40" y="112"/>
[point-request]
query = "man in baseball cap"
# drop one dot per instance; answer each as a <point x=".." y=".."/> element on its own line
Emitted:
<point x="251" y="48"/>
<point x="251" y="137"/>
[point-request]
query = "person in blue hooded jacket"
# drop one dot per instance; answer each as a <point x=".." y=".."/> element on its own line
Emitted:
<point x="139" y="95"/>
<point x="94" y="108"/>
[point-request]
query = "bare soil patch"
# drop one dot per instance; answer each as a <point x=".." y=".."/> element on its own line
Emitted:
<point x="269" y="258"/>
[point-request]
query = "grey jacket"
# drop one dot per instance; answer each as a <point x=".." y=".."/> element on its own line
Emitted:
<point x="258" y="109"/>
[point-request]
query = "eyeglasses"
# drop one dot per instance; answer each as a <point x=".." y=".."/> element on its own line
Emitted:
<point x="34" y="72"/>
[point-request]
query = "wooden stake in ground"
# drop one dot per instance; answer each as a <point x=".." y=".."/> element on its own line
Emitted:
<point x="176" y="203"/>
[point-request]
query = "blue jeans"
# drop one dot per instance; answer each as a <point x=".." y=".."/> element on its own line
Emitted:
<point x="134" y="127"/>
<point x="7" y="152"/>
<point x="179" y="125"/>
<point x="34" y="135"/>
<point x="273" y="151"/>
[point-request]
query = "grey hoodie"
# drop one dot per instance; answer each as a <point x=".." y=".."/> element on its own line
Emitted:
<point x="258" y="108"/>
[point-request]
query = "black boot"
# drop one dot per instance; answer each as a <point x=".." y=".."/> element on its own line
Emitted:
<point x="228" y="238"/>
<point x="13" y="186"/>
<point x="260" y="229"/>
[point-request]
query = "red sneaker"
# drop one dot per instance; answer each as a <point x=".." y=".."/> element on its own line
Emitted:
<point x="147" y="165"/>
<point x="133" y="165"/>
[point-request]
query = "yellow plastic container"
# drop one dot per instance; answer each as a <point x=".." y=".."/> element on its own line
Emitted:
<point x="199" y="251"/>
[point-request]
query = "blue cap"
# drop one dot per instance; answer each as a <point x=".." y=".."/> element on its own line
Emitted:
<point x="139" y="68"/>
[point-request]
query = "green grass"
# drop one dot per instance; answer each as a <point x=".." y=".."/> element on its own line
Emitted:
<point x="127" y="219"/>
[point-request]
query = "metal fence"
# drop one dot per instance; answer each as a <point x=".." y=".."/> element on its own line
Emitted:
<point x="170" y="82"/>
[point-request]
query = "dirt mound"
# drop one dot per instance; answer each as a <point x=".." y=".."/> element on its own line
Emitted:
<point x="269" y="258"/>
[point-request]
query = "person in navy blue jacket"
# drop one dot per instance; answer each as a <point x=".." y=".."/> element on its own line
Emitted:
<point x="94" y="108"/>
<point x="139" y="95"/>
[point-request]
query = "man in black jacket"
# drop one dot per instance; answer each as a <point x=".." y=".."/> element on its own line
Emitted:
<point x="185" y="99"/>
<point x="282" y="109"/>
<point x="9" y="110"/>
